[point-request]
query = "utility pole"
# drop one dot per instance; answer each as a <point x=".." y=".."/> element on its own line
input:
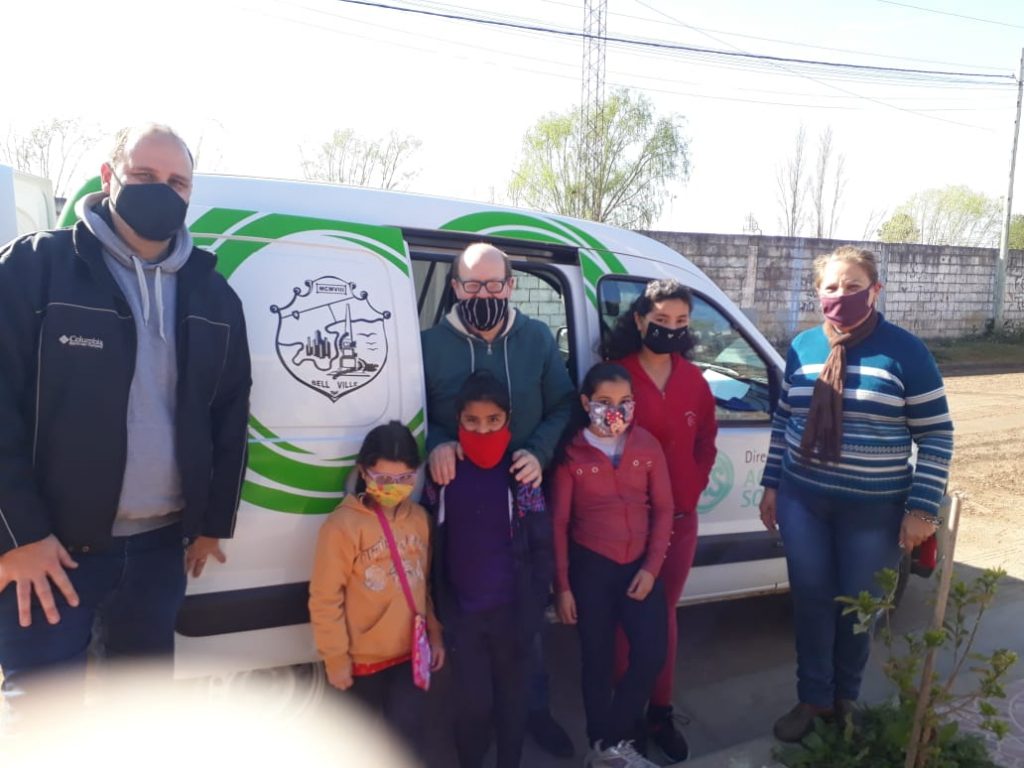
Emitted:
<point x="1004" y="240"/>
<point x="595" y="28"/>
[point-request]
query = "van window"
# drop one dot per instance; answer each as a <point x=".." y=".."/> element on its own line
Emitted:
<point x="539" y="293"/>
<point x="734" y="369"/>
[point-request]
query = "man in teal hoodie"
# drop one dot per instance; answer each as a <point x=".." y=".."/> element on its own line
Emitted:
<point x="482" y="332"/>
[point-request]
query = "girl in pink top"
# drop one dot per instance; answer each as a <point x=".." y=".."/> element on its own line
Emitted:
<point x="612" y="510"/>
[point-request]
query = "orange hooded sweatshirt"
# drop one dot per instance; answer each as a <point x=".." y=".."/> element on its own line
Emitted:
<point x="356" y="604"/>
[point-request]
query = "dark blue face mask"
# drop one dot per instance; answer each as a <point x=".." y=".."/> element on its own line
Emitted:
<point x="153" y="211"/>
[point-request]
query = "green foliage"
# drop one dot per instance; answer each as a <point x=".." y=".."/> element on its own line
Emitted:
<point x="953" y="215"/>
<point x="900" y="228"/>
<point x="879" y="736"/>
<point x="1017" y="232"/>
<point x="876" y="737"/>
<point x="636" y="156"/>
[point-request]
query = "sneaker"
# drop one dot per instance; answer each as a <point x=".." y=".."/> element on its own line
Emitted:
<point x="798" y="722"/>
<point x="549" y="735"/>
<point x="663" y="730"/>
<point x="622" y="755"/>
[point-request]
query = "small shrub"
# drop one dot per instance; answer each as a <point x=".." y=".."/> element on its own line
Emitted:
<point x="879" y="736"/>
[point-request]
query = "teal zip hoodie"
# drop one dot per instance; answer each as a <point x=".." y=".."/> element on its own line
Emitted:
<point x="524" y="357"/>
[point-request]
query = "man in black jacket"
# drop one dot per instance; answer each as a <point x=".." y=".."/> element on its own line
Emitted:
<point x="124" y="394"/>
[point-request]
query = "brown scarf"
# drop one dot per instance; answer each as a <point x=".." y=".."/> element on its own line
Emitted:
<point x="823" y="433"/>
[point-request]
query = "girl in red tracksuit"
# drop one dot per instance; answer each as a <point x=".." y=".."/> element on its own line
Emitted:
<point x="674" y="403"/>
<point x="612" y="510"/>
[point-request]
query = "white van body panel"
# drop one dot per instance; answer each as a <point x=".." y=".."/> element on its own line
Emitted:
<point x="311" y="263"/>
<point x="26" y="204"/>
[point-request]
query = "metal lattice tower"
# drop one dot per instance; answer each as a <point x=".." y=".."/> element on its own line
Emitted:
<point x="595" y="29"/>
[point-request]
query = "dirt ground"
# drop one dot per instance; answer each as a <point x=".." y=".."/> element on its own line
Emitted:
<point x="988" y="469"/>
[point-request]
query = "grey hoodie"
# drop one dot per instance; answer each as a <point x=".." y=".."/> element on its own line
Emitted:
<point x="151" y="494"/>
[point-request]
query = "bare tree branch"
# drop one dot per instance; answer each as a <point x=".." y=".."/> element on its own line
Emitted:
<point x="52" y="149"/>
<point x="349" y="159"/>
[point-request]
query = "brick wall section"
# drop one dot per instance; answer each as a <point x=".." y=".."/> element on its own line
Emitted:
<point x="538" y="300"/>
<point x="933" y="291"/>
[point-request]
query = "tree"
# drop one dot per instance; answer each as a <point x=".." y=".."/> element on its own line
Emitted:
<point x="954" y="215"/>
<point x="1017" y="232"/>
<point x="350" y="159"/>
<point x="827" y="186"/>
<point x="900" y="228"/>
<point x="792" y="190"/>
<point x="875" y="219"/>
<point x="637" y="156"/>
<point x="52" y="149"/>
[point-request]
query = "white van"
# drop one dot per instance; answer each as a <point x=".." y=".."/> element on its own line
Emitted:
<point x="26" y="204"/>
<point x="337" y="283"/>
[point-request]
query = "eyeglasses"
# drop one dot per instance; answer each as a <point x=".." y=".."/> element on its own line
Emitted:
<point x="492" y="286"/>
<point x="381" y="478"/>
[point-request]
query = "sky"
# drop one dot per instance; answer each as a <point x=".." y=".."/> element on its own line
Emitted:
<point x="250" y="82"/>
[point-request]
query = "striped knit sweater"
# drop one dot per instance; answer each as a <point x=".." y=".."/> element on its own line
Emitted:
<point x="893" y="397"/>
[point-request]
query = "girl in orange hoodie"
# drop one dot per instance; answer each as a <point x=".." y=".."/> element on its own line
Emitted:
<point x="362" y="620"/>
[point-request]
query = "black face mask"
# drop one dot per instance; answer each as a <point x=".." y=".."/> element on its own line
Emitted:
<point x="482" y="312"/>
<point x="663" y="341"/>
<point x="154" y="211"/>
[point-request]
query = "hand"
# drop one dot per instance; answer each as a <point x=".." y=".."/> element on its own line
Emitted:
<point x="198" y="551"/>
<point x="526" y="468"/>
<point x="641" y="585"/>
<point x="340" y="678"/>
<point x="914" y="531"/>
<point x="34" y="566"/>
<point x="566" y="607"/>
<point x="436" y="655"/>
<point x="768" y="509"/>
<point x="442" y="462"/>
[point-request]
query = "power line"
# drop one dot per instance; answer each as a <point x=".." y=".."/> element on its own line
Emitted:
<point x="950" y="13"/>
<point x="655" y="44"/>
<point x="794" y="43"/>
<point x="872" y="99"/>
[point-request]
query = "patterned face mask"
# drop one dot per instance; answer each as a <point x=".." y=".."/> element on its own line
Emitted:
<point x="482" y="312"/>
<point x="610" y="420"/>
<point x="388" y="494"/>
<point x="664" y="341"/>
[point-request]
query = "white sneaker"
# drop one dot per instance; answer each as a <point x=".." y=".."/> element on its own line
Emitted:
<point x="622" y="755"/>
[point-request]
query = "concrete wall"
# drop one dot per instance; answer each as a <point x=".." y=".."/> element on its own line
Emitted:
<point x="933" y="291"/>
<point x="539" y="300"/>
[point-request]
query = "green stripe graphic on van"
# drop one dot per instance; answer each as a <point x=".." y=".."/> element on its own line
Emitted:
<point x="596" y="259"/>
<point x="299" y="479"/>
<point x="386" y="242"/>
<point x="283" y="501"/>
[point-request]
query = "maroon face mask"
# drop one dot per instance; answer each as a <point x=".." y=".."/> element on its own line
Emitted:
<point x="848" y="310"/>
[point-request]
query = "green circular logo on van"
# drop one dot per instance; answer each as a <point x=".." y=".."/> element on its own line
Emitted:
<point x="719" y="484"/>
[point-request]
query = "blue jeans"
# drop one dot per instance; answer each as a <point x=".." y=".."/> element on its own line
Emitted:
<point x="833" y="547"/>
<point x="131" y="592"/>
<point x="539" y="692"/>
<point x="599" y="585"/>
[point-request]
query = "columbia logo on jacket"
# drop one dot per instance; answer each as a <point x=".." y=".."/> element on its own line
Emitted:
<point x="80" y="341"/>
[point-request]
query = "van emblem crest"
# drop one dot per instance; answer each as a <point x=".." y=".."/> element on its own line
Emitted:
<point x="330" y="337"/>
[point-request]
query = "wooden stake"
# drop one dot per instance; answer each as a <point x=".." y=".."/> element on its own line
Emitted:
<point x="914" y="752"/>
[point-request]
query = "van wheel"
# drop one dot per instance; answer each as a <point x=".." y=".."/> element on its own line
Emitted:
<point x="295" y="689"/>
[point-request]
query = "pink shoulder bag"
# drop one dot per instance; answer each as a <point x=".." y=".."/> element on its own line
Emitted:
<point x="420" y="640"/>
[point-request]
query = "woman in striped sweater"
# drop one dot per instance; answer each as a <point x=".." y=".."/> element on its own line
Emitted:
<point x="858" y="393"/>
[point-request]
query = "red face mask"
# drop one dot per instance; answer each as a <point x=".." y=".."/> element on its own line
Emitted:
<point x="485" y="449"/>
